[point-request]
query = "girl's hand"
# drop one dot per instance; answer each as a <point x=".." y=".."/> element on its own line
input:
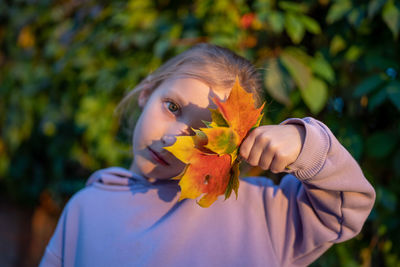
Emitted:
<point x="112" y="175"/>
<point x="273" y="147"/>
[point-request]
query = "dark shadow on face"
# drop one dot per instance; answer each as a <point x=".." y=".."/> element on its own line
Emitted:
<point x="195" y="122"/>
<point x="167" y="189"/>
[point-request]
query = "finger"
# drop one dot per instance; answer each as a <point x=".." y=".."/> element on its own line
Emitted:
<point x="259" y="146"/>
<point x="266" y="158"/>
<point x="114" y="180"/>
<point x="119" y="171"/>
<point x="254" y="157"/>
<point x="247" y="145"/>
<point x="278" y="164"/>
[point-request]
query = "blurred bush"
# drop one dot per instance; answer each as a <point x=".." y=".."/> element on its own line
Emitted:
<point x="64" y="65"/>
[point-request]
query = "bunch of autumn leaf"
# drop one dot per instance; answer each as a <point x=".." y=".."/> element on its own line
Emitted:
<point x="211" y="155"/>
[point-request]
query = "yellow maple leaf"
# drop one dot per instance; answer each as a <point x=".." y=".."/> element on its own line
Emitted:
<point x="211" y="155"/>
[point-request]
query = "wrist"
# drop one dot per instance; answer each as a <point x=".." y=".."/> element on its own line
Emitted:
<point x="314" y="148"/>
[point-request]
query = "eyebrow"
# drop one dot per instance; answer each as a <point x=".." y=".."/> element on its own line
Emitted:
<point x="176" y="96"/>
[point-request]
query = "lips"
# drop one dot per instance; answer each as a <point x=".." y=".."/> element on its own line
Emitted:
<point x="157" y="157"/>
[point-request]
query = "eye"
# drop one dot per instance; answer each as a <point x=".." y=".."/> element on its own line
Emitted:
<point x="172" y="107"/>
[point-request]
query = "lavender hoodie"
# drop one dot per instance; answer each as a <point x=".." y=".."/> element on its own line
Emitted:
<point x="325" y="200"/>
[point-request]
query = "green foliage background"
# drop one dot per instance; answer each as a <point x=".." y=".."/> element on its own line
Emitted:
<point x="64" y="65"/>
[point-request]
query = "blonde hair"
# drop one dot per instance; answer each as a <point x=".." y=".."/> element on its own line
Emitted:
<point x="216" y="66"/>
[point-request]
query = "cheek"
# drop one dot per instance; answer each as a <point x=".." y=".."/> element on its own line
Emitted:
<point x="140" y="133"/>
<point x="198" y="121"/>
<point x="149" y="127"/>
<point x="136" y="133"/>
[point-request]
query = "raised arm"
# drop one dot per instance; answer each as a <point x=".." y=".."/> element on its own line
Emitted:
<point x="327" y="203"/>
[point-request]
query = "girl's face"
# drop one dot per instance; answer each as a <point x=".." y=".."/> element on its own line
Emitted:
<point x="176" y="106"/>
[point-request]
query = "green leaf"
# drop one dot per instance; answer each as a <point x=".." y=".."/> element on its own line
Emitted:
<point x="217" y="119"/>
<point x="277" y="21"/>
<point x="353" y="53"/>
<point x="337" y="44"/>
<point x="393" y="93"/>
<point x="310" y="24"/>
<point x="293" y="7"/>
<point x="374" y="6"/>
<point x="175" y="32"/>
<point x="368" y="85"/>
<point x="297" y="67"/>
<point x="353" y="142"/>
<point x="315" y="95"/>
<point x="388" y="200"/>
<point x="221" y="140"/>
<point x="322" y="68"/>
<point x="377" y="99"/>
<point x="4" y="164"/>
<point x="391" y="16"/>
<point x="233" y="180"/>
<point x="344" y="257"/>
<point x="161" y="47"/>
<point x="207" y="123"/>
<point x="338" y="10"/>
<point x="275" y="83"/>
<point x="294" y="27"/>
<point x="356" y="16"/>
<point x="380" y="144"/>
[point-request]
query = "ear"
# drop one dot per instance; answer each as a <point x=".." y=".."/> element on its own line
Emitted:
<point x="143" y="97"/>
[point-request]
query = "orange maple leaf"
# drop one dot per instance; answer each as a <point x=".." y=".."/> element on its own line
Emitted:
<point x="238" y="110"/>
<point x="211" y="154"/>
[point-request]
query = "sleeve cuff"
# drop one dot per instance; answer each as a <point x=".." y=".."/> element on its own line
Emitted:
<point x="314" y="151"/>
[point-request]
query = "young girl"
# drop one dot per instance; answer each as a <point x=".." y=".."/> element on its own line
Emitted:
<point x="133" y="218"/>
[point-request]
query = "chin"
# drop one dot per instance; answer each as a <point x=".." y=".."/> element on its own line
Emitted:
<point x="161" y="174"/>
<point x="155" y="171"/>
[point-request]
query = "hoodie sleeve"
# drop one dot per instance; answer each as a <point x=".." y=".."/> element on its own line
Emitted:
<point x="328" y="202"/>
